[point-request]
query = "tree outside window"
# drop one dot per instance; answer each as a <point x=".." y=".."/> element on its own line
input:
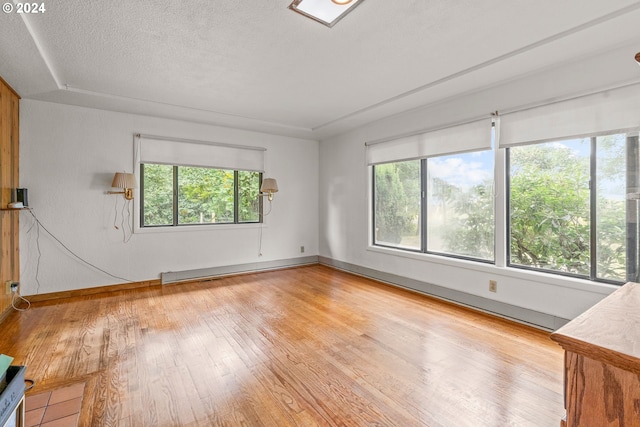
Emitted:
<point x="199" y="196"/>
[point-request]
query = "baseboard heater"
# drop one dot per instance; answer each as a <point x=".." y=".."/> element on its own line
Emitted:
<point x="210" y="272"/>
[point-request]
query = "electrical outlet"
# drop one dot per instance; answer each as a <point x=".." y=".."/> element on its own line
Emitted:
<point x="8" y="287"/>
<point x="301" y="249"/>
<point x="493" y="286"/>
<point x="14" y="287"/>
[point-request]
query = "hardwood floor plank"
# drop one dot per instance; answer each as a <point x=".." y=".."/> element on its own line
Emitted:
<point x="309" y="346"/>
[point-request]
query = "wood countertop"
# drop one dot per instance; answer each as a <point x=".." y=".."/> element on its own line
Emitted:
<point x="609" y="331"/>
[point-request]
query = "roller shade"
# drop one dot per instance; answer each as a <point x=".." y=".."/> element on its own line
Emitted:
<point x="183" y="152"/>
<point x="603" y="112"/>
<point x="473" y="136"/>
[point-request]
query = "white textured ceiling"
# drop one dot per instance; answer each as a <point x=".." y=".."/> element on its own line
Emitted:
<point x="255" y="64"/>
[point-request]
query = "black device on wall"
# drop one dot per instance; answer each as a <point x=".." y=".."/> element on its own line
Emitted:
<point x="21" y="196"/>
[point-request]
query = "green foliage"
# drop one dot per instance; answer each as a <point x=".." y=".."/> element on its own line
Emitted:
<point x="158" y="194"/>
<point x="549" y="203"/>
<point x="469" y="230"/>
<point x="205" y="195"/>
<point x="397" y="201"/>
<point x="248" y="191"/>
<point x="409" y="176"/>
<point x="611" y="229"/>
<point x="611" y="237"/>
<point x="549" y="208"/>
<point x="460" y="217"/>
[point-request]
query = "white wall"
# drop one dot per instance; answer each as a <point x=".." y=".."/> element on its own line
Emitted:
<point x="345" y="191"/>
<point x="68" y="156"/>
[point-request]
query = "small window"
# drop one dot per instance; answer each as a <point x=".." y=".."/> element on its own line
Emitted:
<point x="187" y="195"/>
<point x="157" y="195"/>
<point x="397" y="204"/>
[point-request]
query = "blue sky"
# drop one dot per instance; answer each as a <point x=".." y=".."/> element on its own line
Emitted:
<point x="463" y="170"/>
<point x="469" y="169"/>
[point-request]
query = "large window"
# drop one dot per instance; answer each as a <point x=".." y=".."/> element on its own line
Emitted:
<point x="566" y="201"/>
<point x="567" y="207"/>
<point x="456" y="217"/>
<point x="566" y="198"/>
<point x="186" y="195"/>
<point x="188" y="182"/>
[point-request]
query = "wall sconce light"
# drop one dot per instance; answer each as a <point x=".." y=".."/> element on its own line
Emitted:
<point x="268" y="187"/>
<point x="126" y="181"/>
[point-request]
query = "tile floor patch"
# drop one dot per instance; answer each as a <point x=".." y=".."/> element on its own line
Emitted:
<point x="62" y="409"/>
<point x="33" y="417"/>
<point x="67" y="393"/>
<point x="38" y="400"/>
<point x="70" y="421"/>
<point x="56" y="408"/>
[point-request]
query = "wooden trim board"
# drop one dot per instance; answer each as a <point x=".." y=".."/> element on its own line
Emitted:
<point x="4" y="82"/>
<point x="92" y="291"/>
<point x="142" y="284"/>
<point x="9" y="174"/>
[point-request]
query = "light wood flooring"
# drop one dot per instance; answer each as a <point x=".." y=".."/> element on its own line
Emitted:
<point x="309" y="346"/>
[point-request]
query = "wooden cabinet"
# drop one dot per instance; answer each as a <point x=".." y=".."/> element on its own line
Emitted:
<point x="602" y="362"/>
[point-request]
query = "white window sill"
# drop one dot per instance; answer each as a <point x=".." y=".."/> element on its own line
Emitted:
<point x="203" y="228"/>
<point x="536" y="276"/>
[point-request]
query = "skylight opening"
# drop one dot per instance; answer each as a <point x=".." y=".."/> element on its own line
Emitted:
<point x="326" y="12"/>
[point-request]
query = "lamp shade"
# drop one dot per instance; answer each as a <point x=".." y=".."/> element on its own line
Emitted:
<point x="124" y="180"/>
<point x="269" y="185"/>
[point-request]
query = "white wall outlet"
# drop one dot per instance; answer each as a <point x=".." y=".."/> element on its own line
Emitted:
<point x="301" y="249"/>
<point x="493" y="286"/>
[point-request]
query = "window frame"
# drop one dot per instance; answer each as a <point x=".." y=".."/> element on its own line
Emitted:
<point x="502" y="196"/>
<point x="423" y="224"/>
<point x="175" y="196"/>
<point x="507" y="241"/>
<point x="593" y="185"/>
<point x="373" y="216"/>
